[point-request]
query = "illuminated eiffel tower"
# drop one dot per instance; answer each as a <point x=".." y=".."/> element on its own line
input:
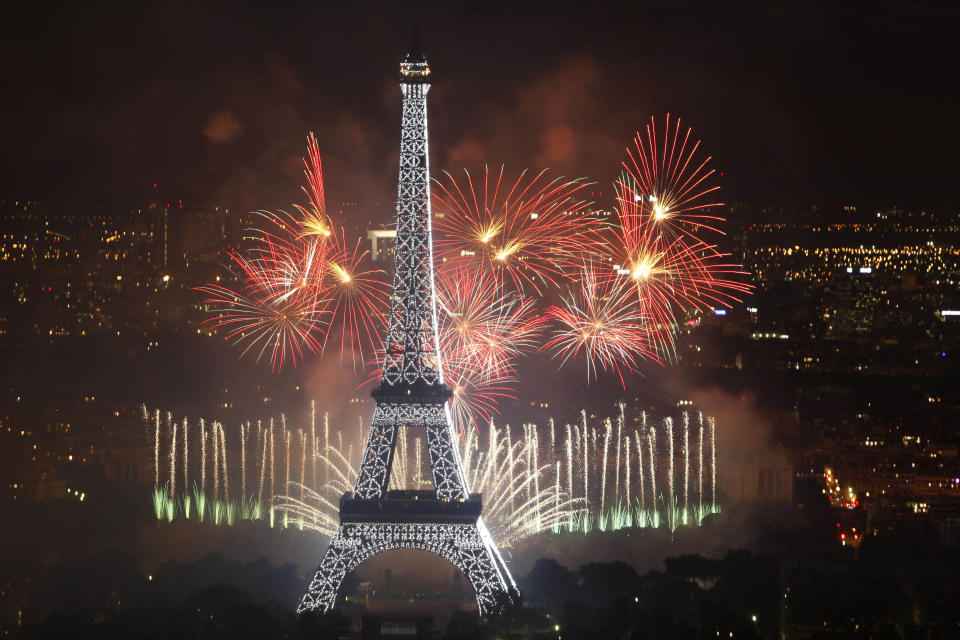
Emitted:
<point x="412" y="394"/>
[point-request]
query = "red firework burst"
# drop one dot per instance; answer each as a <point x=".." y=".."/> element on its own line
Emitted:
<point x="296" y="271"/>
<point x="602" y="319"/>
<point x="668" y="182"/>
<point x="290" y="261"/>
<point x="662" y="204"/>
<point x="357" y="299"/>
<point x="483" y="330"/>
<point x="477" y="392"/>
<point x="482" y="323"/>
<point x="267" y="315"/>
<point x="525" y="231"/>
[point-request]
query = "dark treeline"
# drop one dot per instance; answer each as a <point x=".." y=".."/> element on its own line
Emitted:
<point x="884" y="590"/>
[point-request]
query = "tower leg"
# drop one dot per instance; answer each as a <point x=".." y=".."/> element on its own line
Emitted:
<point x="448" y="476"/>
<point x="378" y="454"/>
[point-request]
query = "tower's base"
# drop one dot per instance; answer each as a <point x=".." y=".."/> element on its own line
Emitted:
<point x="467" y="546"/>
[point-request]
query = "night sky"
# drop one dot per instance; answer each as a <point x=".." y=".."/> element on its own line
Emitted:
<point x="798" y="103"/>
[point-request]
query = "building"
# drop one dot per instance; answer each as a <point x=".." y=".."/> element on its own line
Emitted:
<point x="853" y="302"/>
<point x="765" y="479"/>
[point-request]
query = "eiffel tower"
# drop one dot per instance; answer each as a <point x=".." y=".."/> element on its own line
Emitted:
<point x="412" y="394"/>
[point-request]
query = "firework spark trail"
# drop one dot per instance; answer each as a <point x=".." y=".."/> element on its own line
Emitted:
<point x="626" y="467"/>
<point x="556" y="488"/>
<point x="363" y="437"/>
<point x="700" y="464"/>
<point x="303" y="462"/>
<point x="243" y="459"/>
<point x="535" y="456"/>
<point x="470" y="445"/>
<point x="223" y="458"/>
<point x="671" y="507"/>
<point x="326" y="444"/>
<point x="713" y="462"/>
<point x="603" y="472"/>
<point x="313" y="511"/>
<point x="214" y="436"/>
<point x="317" y="456"/>
<point x="314" y="220"/>
<point x="639" y="443"/>
<point x="203" y="457"/>
<point x="186" y="455"/>
<point x="417" y="478"/>
<point x="652" y="442"/>
<point x="263" y="466"/>
<point x="569" y="468"/>
<point x="553" y="441"/>
<point x="402" y="439"/>
<point x="510" y="457"/>
<point x="173" y="455"/>
<point x="673" y="278"/>
<point x="286" y="464"/>
<point x="686" y="462"/>
<point x="525" y="236"/>
<point x="287" y="435"/>
<point x="530" y="434"/>
<point x="272" y="459"/>
<point x="491" y="449"/>
<point x="398" y="473"/>
<point x="313" y="442"/>
<point x="156" y="451"/>
<point x="586" y="465"/>
<point x="620" y="419"/>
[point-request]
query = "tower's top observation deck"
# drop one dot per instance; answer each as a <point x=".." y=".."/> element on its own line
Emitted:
<point x="414" y="69"/>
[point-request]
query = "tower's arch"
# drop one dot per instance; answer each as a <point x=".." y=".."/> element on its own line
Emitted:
<point x="462" y="545"/>
<point x="405" y="579"/>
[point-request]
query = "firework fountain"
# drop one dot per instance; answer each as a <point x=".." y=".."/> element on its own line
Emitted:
<point x="591" y="479"/>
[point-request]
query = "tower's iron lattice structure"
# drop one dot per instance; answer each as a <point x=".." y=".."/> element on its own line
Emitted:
<point x="412" y="393"/>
